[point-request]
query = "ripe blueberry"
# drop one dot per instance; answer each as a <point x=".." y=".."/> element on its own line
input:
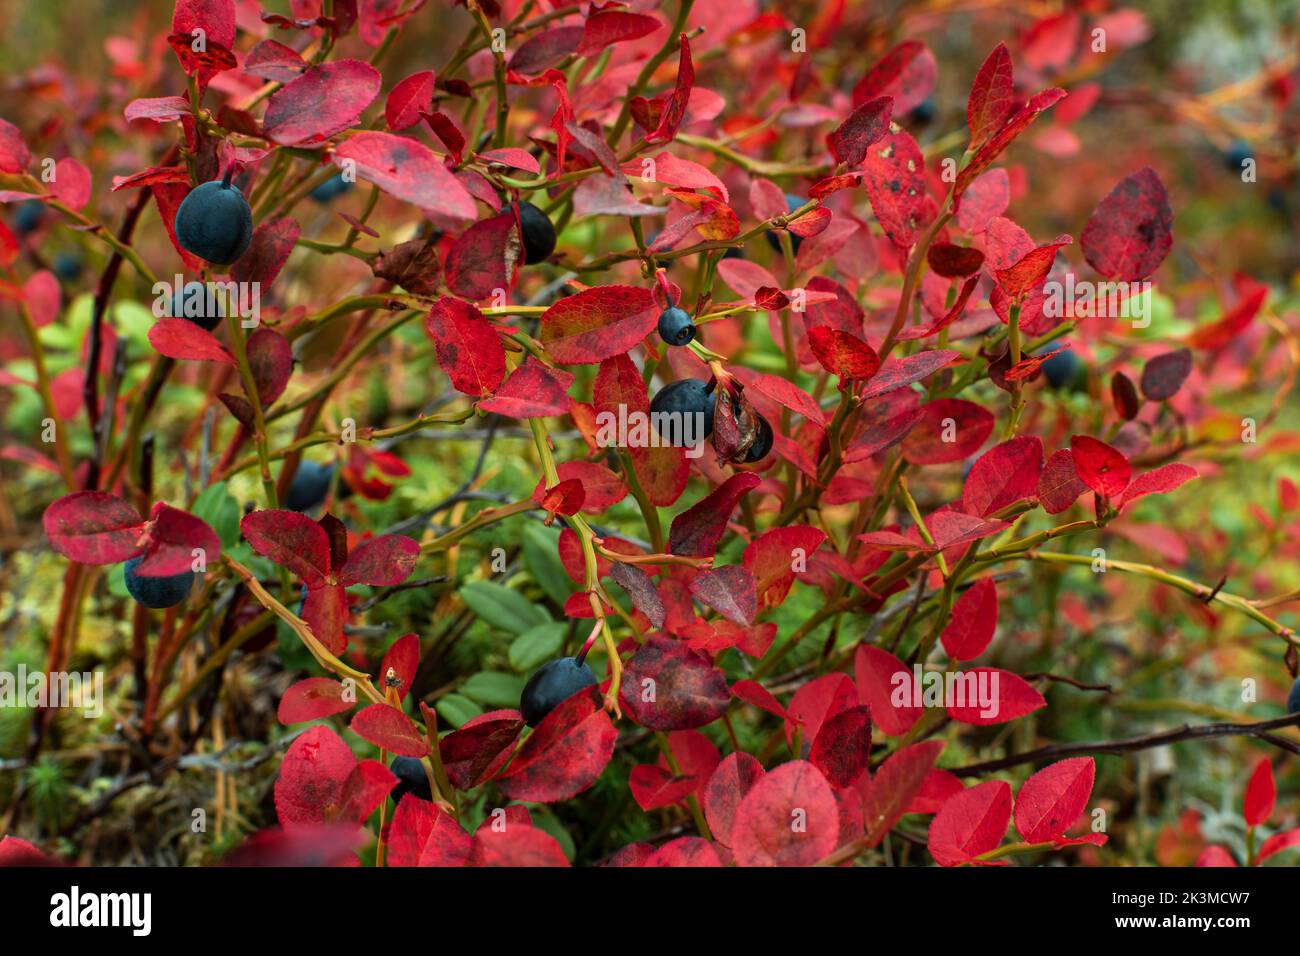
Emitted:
<point x="411" y="778"/>
<point x="1237" y="153"/>
<point x="1063" y="370"/>
<point x="156" y="593"/>
<point x="200" y="304"/>
<point x="539" y="234"/>
<point x="676" y="400"/>
<point x="792" y="202"/>
<point x="28" y="216"/>
<point x="332" y="187"/>
<point x="1293" y="698"/>
<point x="214" y="222"/>
<point x="762" y="443"/>
<point x="552" y="685"/>
<point x="675" y="326"/>
<point x="923" y="112"/>
<point x="311" y="482"/>
<point x="67" y="265"/>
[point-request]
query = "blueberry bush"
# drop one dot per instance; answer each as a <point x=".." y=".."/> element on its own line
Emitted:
<point x="649" y="433"/>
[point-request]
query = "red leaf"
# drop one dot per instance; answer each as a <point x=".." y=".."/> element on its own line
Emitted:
<point x="183" y="339"/>
<point x="1031" y="269"/>
<point x="953" y="261"/>
<point x="532" y="391"/>
<point x="324" y="100"/>
<point x="897" y="373"/>
<point x="602" y="488"/>
<point x="729" y="591"/>
<point x="890" y="792"/>
<point x="388" y="728"/>
<point x="972" y="822"/>
<point x="19" y="853"/>
<point x="513" y="157"/>
<point x="697" y="531"/>
<point x="486" y="257"/>
<point x="1164" y="375"/>
<point x="986" y="197"/>
<point x="1099" y="466"/>
<point x="906" y="73"/>
<point x="653" y="787"/>
<point x="878" y="673"/>
<point x="1004" y="475"/>
<point x="71" y="183"/>
<point x="949" y="429"/>
<point x="564" y="498"/>
<point x="789" y="817"/>
<point x="685" y="851"/>
<point x="1059" y="485"/>
<point x="93" y="527"/>
<point x="423" y="835"/>
<point x="1234" y="322"/>
<point x="895" y="181"/>
<point x="782" y="391"/>
<point x="1014" y="125"/>
<point x="271" y="357"/>
<point x="722" y="796"/>
<point x="1129" y="234"/>
<point x="668" y="686"/>
<point x="402" y="658"/>
<point x="267" y="253"/>
<point x="476" y="751"/>
<point x="325" y="611"/>
<point x="1010" y="699"/>
<point x="842" y="749"/>
<point x="269" y="60"/>
<point x="310" y="784"/>
<point x="407" y="170"/>
<point x="992" y="96"/>
<point x="641" y="589"/>
<point x="670" y="170"/>
<point x="1158" y="481"/>
<point x="1051" y="800"/>
<point x="381" y="562"/>
<point x="1215" y="856"/>
<point x="408" y="99"/>
<point x="1261" y="794"/>
<point x="752" y="692"/>
<point x="14" y="155"/>
<point x="865" y="125"/>
<point x="312" y="699"/>
<point x="469" y="349"/>
<point x="842" y="353"/>
<point x="565" y="754"/>
<point x="516" y="846"/>
<point x="1277" y="843"/>
<point x="598" y="323"/>
<point x="672" y="108"/>
<point x="973" y="621"/>
<point x="173" y="536"/>
<point x="292" y="540"/>
<point x="605" y="27"/>
<point x="773" y="556"/>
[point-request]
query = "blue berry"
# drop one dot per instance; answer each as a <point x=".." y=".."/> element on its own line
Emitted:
<point x="156" y="593"/>
<point x="311" y="482"/>
<point x="331" y="188"/>
<point x="923" y="113"/>
<point x="1236" y="154"/>
<point x="552" y="685"/>
<point x="411" y="778"/>
<point x="762" y="443"/>
<point x="538" y="234"/>
<point x="67" y="265"/>
<point x="792" y="202"/>
<point x="1293" y="698"/>
<point x="676" y="400"/>
<point x="215" y="222"/>
<point x="675" y="326"/>
<point x="1064" y="369"/>
<point x="200" y="304"/>
<point x="28" y="216"/>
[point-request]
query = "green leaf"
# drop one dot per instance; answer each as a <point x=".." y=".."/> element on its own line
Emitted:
<point x="504" y="609"/>
<point x="217" y="507"/>
<point x="494" y="689"/>
<point x="537" y="645"/>
<point x="542" y="559"/>
<point x="457" y="710"/>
